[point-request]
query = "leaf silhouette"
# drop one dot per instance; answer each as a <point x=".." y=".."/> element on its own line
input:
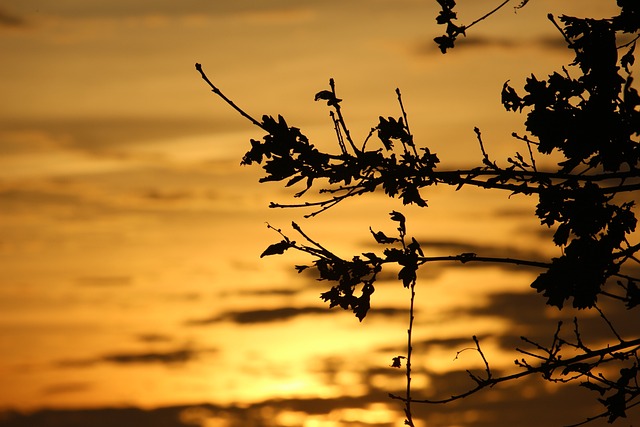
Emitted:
<point x="277" y="248"/>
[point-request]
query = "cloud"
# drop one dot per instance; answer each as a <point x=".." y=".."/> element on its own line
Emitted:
<point x="153" y="338"/>
<point x="7" y="19"/>
<point x="107" y="134"/>
<point x="260" y="316"/>
<point x="169" y="357"/>
<point x="528" y="315"/>
<point x="293" y="15"/>
<point x="104" y="281"/>
<point x="282" y="314"/>
<point x="474" y="41"/>
<point x="62" y="388"/>
<point x="270" y="292"/>
<point x="527" y="404"/>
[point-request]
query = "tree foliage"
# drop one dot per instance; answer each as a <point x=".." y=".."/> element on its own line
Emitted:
<point x="588" y="113"/>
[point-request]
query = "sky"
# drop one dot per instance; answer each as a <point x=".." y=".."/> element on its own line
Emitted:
<point x="132" y="290"/>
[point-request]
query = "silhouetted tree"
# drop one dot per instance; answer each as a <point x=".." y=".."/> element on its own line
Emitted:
<point x="589" y="115"/>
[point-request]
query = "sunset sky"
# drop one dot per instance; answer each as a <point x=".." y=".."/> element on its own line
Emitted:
<point x="130" y="235"/>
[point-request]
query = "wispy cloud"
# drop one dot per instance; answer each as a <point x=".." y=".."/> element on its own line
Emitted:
<point x="169" y="357"/>
<point x="261" y="316"/>
<point x="293" y="15"/>
<point x="104" y="281"/>
<point x="282" y="314"/>
<point x="474" y="42"/>
<point x="8" y="19"/>
<point x="69" y="387"/>
<point x="153" y="338"/>
<point x="527" y="405"/>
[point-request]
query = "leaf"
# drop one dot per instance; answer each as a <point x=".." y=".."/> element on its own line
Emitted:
<point x="510" y="99"/>
<point x="414" y="246"/>
<point x="324" y="94"/>
<point x="444" y="43"/>
<point x="407" y="275"/>
<point x="362" y="306"/>
<point x="561" y="235"/>
<point x="582" y="368"/>
<point x="372" y="257"/>
<point x="397" y="361"/>
<point x="294" y="180"/>
<point x="628" y="59"/>
<point x="398" y="217"/>
<point x="594" y="387"/>
<point x="277" y="248"/>
<point x="328" y="96"/>
<point x="382" y="238"/>
<point x="633" y="295"/>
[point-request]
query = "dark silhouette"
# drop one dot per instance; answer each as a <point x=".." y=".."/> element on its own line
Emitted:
<point x="589" y="113"/>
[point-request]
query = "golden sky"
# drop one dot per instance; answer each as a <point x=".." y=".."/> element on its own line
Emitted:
<point x="130" y="236"/>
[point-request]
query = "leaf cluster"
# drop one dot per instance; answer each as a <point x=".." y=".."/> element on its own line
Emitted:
<point x="353" y="280"/>
<point x="287" y="154"/>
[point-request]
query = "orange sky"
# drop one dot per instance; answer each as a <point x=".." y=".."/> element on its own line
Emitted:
<point x="130" y="235"/>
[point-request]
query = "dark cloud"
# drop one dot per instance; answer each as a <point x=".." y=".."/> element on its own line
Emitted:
<point x="523" y="403"/>
<point x="527" y="404"/>
<point x="259" y="316"/>
<point x="124" y="8"/>
<point x="62" y="200"/>
<point x="113" y="134"/>
<point x="104" y="281"/>
<point x="261" y="414"/>
<point x="270" y="292"/>
<point x="477" y="41"/>
<point x="62" y="388"/>
<point x="8" y="19"/>
<point x="170" y="357"/>
<point x="519" y="308"/>
<point x="153" y="338"/>
<point x="454" y="343"/>
<point x="14" y="199"/>
<point x="283" y="314"/>
<point x="167" y="196"/>
<point x="530" y="317"/>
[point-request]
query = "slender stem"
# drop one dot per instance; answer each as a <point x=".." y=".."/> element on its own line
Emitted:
<point x="217" y="91"/>
<point x="465" y="258"/>
<point x="555" y="24"/>
<point x="533" y="160"/>
<point x="487" y="15"/>
<point x="341" y="118"/>
<point x="409" y="421"/>
<point x="406" y="122"/>
<point x="546" y="366"/>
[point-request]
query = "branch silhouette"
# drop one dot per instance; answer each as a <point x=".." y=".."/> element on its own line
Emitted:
<point x="591" y="120"/>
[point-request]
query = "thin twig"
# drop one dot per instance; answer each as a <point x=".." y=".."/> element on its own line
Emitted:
<point x="341" y="118"/>
<point x="406" y="121"/>
<point x="608" y="323"/>
<point x="336" y="127"/>
<point x="487" y="15"/>
<point x="409" y="421"/>
<point x="544" y="367"/>
<point x="217" y="91"/>
<point x="553" y="20"/>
